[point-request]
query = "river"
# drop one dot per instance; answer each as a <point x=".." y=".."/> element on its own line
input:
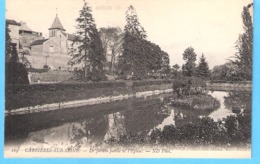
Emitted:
<point x="99" y="123"/>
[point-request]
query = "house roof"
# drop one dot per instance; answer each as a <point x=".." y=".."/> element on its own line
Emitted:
<point x="24" y="27"/>
<point x="56" y="24"/>
<point x="12" y="22"/>
<point x="38" y="42"/>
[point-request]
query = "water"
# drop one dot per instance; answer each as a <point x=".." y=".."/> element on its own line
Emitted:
<point x="96" y="124"/>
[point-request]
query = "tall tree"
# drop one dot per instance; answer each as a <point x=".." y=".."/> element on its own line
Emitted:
<point x="133" y="26"/>
<point x="87" y="50"/>
<point x="140" y="56"/>
<point x="244" y="45"/>
<point x="202" y="70"/>
<point x="133" y="59"/>
<point x="189" y="67"/>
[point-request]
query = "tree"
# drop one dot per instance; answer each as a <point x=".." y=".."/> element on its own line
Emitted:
<point x="87" y="50"/>
<point x="10" y="48"/>
<point x="165" y="66"/>
<point x="133" y="25"/>
<point x="226" y="72"/>
<point x="175" y="71"/>
<point x="244" y="45"/>
<point x="190" y="57"/>
<point x="133" y="60"/>
<point x="15" y="72"/>
<point x="112" y="39"/>
<point x="202" y="70"/>
<point x="140" y="56"/>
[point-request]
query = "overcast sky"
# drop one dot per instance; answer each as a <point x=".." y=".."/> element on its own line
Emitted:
<point x="209" y="26"/>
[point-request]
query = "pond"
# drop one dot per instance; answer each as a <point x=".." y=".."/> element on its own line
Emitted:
<point x="112" y="120"/>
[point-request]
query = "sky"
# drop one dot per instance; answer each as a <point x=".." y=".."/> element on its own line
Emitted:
<point x="211" y="27"/>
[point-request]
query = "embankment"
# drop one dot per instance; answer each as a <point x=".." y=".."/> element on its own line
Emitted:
<point x="44" y="97"/>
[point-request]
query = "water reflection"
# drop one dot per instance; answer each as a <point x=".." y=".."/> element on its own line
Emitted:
<point x="137" y="116"/>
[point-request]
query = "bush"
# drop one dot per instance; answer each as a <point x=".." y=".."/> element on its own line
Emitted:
<point x="234" y="130"/>
<point x="15" y="73"/>
<point x="188" y="86"/>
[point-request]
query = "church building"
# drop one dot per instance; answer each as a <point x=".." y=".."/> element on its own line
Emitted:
<point x="52" y="52"/>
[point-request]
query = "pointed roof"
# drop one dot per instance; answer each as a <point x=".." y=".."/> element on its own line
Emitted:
<point x="57" y="24"/>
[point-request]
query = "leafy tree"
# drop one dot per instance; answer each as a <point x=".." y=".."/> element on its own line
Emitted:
<point x="175" y="71"/>
<point x="165" y="66"/>
<point x="190" y="57"/>
<point x="87" y="51"/>
<point x="15" y="72"/>
<point x="202" y="70"/>
<point x="244" y="46"/>
<point x="226" y="72"/>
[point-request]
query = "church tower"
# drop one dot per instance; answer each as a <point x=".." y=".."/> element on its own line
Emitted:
<point x="55" y="27"/>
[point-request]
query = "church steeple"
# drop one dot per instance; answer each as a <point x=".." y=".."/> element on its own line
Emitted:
<point x="56" y="26"/>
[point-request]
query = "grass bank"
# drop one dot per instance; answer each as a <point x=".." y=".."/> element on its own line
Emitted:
<point x="38" y="94"/>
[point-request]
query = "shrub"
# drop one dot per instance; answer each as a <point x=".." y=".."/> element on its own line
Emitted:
<point x="188" y="85"/>
<point x="15" y="73"/>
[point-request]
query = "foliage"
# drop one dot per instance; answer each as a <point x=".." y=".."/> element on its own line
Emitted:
<point x="202" y="70"/>
<point x="140" y="56"/>
<point x="15" y="73"/>
<point x="151" y="82"/>
<point x="244" y="45"/>
<point x="226" y="72"/>
<point x="230" y="131"/>
<point x="175" y="72"/>
<point x="11" y="54"/>
<point x="87" y="50"/>
<point x="242" y="99"/>
<point x="190" y="57"/>
<point x="23" y="59"/>
<point x="185" y="85"/>
<point x="133" y="26"/>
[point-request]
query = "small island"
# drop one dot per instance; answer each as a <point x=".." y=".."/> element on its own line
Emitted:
<point x="190" y="92"/>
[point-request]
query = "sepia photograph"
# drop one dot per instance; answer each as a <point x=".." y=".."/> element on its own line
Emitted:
<point x="128" y="78"/>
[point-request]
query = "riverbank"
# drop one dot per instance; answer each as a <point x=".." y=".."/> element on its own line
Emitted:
<point x="21" y="96"/>
<point x="34" y="96"/>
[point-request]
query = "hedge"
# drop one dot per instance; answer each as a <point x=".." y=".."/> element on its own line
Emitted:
<point x="151" y="82"/>
<point x="12" y="89"/>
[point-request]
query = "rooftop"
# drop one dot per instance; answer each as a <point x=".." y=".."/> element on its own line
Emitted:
<point x="24" y="27"/>
<point x="57" y="24"/>
<point x="38" y="42"/>
<point x="12" y="22"/>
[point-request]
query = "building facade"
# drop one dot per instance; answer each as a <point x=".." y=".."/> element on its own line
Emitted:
<point x="52" y="52"/>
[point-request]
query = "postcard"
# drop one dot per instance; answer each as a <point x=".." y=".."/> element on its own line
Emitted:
<point x="128" y="79"/>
